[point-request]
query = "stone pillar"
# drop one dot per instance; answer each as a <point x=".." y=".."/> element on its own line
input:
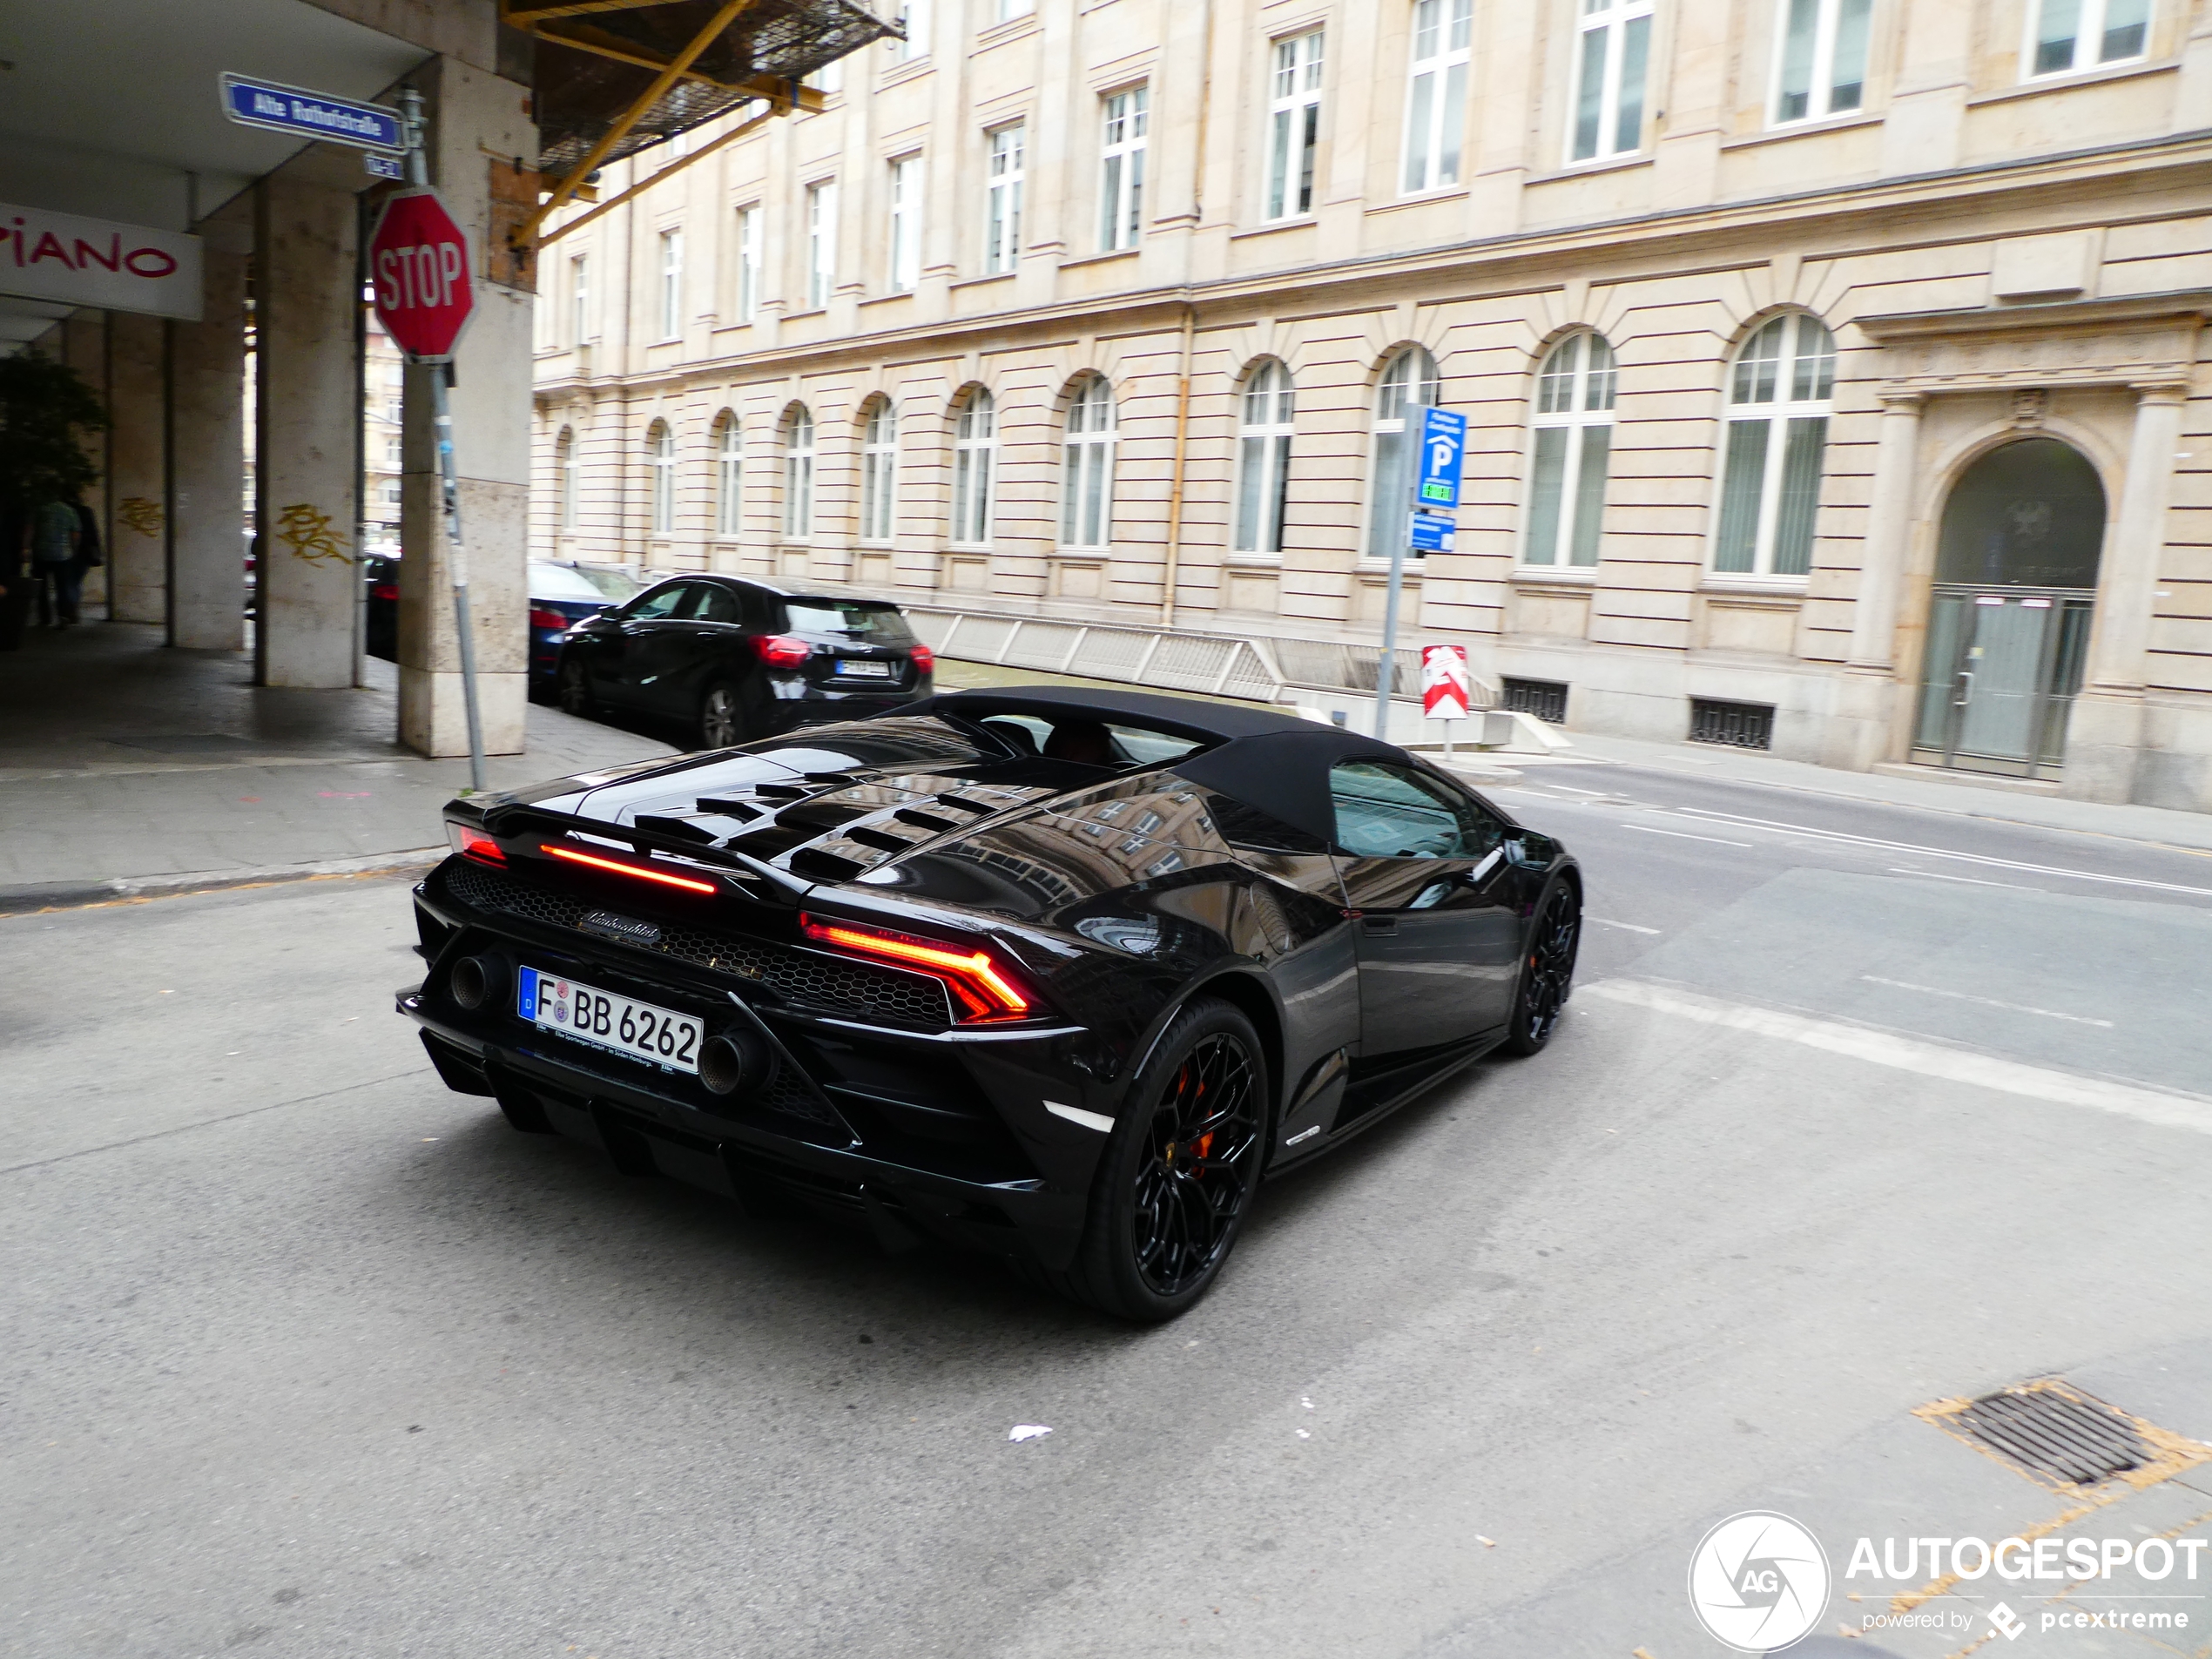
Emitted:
<point x="2105" y="733"/>
<point x="474" y="116"/>
<point x="137" y="516"/>
<point x="1860" y="726"/>
<point x="309" y="416"/>
<point x="206" y="469"/>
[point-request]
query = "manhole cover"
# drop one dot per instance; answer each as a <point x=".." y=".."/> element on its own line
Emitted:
<point x="2051" y="1431"/>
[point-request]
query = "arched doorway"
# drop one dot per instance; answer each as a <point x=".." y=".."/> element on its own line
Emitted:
<point x="2008" y="622"/>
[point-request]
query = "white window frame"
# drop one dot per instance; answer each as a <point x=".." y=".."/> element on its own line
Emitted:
<point x="1266" y="423"/>
<point x="1008" y="10"/>
<point x="671" y="283"/>
<point x="904" y="214"/>
<point x="1125" y="119"/>
<point x="799" y="473"/>
<point x="1613" y="29"/>
<point x="1409" y="380"/>
<point x="729" y="474"/>
<point x="821" y="243"/>
<point x="1006" y="160"/>
<point x="1834" y="27"/>
<point x="1439" y="54"/>
<point x="660" y="494"/>
<point x="1087" y="470"/>
<point x="2093" y="19"/>
<point x="914" y="18"/>
<point x="879" y="470"/>
<point x="748" y="295"/>
<point x="579" y="298"/>
<point x="564" y="477"/>
<point x="1295" y="67"/>
<point x="1571" y="414"/>
<point x="1781" y="379"/>
<point x="975" y="450"/>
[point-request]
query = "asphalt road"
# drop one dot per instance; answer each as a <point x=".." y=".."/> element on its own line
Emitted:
<point x="305" y="1355"/>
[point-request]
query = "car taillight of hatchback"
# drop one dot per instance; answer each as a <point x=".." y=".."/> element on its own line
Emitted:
<point x="781" y="650"/>
<point x="923" y="659"/>
<point x="543" y="618"/>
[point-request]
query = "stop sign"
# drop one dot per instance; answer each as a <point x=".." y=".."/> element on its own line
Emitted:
<point x="418" y="262"/>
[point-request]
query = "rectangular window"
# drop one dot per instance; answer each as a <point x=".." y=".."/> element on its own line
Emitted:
<point x="1008" y="10"/>
<point x="1743" y="475"/>
<point x="914" y="18"/>
<point x="1121" y="182"/>
<point x="1436" y="92"/>
<point x="1003" y="200"/>
<point x="1821" y="67"/>
<point x="748" y="263"/>
<point x="821" y="244"/>
<point x="2065" y="36"/>
<point x="1294" y="124"/>
<point x="671" y="284"/>
<point x="579" y="300"/>
<point x="905" y="224"/>
<point x="829" y="80"/>
<point x="1615" y="49"/>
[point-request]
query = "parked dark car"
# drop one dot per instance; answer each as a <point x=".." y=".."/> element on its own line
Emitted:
<point x="733" y="660"/>
<point x="1054" y="974"/>
<point x="560" y="595"/>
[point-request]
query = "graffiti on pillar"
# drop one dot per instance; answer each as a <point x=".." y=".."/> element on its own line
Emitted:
<point x="140" y="514"/>
<point x="307" y="532"/>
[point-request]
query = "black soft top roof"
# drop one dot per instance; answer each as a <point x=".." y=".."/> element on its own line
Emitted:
<point x="1262" y="756"/>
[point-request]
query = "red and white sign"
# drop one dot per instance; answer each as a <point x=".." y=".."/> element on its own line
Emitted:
<point x="1444" y="692"/>
<point x="96" y="262"/>
<point x="418" y="267"/>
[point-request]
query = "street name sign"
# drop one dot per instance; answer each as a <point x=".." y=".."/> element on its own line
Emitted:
<point x="418" y="270"/>
<point x="293" y="110"/>
<point x="1444" y="441"/>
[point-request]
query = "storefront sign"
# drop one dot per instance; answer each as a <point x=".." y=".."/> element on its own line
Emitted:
<point x="96" y="262"/>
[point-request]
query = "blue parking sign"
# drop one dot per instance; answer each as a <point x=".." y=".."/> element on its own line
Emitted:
<point x="1444" y="441"/>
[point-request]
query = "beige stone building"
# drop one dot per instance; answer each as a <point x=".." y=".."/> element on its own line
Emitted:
<point x="1833" y="366"/>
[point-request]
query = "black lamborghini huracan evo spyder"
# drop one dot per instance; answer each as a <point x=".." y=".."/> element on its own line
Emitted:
<point x="1057" y="973"/>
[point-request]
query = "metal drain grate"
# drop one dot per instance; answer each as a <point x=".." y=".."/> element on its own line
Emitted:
<point x="2054" y="1434"/>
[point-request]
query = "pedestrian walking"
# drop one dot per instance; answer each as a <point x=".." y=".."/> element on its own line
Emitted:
<point x="88" y="551"/>
<point x="54" y="568"/>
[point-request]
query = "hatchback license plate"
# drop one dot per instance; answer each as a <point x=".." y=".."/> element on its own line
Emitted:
<point x="865" y="669"/>
<point x="607" y="1021"/>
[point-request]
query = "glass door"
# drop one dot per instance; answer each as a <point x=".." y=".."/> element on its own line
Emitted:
<point x="2001" y="676"/>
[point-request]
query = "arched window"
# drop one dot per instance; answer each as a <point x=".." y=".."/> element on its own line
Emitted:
<point x="1778" y="404"/>
<point x="1573" y="441"/>
<point x="1087" y="479"/>
<point x="798" y="472"/>
<point x="729" y="476"/>
<point x="660" y="460"/>
<point x="878" y="470"/>
<point x="976" y="448"/>
<point x="565" y="477"/>
<point x="1408" y="381"/>
<point x="1264" y="457"/>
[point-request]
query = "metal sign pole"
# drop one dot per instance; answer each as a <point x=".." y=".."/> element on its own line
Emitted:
<point x="441" y="420"/>
<point x="1387" y="671"/>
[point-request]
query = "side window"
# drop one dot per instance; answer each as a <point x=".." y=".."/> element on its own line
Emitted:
<point x="661" y="603"/>
<point x="1388" y="812"/>
<point x="759" y="608"/>
<point x="716" y="603"/>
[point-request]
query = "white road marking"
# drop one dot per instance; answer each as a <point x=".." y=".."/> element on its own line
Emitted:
<point x="1971" y="880"/>
<point x="1571" y="790"/>
<point x="1630" y="926"/>
<point x="1986" y="1002"/>
<point x="1680" y="835"/>
<point x="1098" y="1121"/>
<point x="2170" y="1109"/>
<point x="1737" y="822"/>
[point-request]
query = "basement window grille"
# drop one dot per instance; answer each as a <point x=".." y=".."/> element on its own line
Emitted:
<point x="1740" y="726"/>
<point x="1546" y="699"/>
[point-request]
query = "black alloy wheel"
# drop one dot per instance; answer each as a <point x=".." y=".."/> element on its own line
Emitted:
<point x="1179" y="1172"/>
<point x="575" y="688"/>
<point x="721" y="716"/>
<point x="1548" y="972"/>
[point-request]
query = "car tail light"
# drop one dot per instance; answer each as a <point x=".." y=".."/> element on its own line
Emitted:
<point x="923" y="659"/>
<point x="474" y="844"/>
<point x="781" y="650"/>
<point x="689" y="884"/>
<point x="972" y="976"/>
<point x="387" y="592"/>
<point x="540" y="617"/>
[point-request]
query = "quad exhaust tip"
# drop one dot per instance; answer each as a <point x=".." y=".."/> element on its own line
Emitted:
<point x="476" y="980"/>
<point x="730" y="1061"/>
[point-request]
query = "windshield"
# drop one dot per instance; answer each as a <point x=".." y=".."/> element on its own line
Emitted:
<point x="559" y="581"/>
<point x="874" y="624"/>
<point x="617" y="584"/>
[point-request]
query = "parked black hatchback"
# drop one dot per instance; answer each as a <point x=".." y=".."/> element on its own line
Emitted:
<point x="736" y="660"/>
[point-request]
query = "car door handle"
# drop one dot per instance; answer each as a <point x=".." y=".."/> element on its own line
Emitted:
<point x="1377" y="924"/>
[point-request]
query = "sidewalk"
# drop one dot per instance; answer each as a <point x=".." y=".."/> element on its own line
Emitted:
<point x="124" y="763"/>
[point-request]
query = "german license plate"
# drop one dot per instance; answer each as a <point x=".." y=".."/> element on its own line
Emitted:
<point x="608" y="1021"/>
<point x="864" y="669"/>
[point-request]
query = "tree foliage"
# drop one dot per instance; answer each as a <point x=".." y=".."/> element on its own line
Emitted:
<point x="47" y="410"/>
